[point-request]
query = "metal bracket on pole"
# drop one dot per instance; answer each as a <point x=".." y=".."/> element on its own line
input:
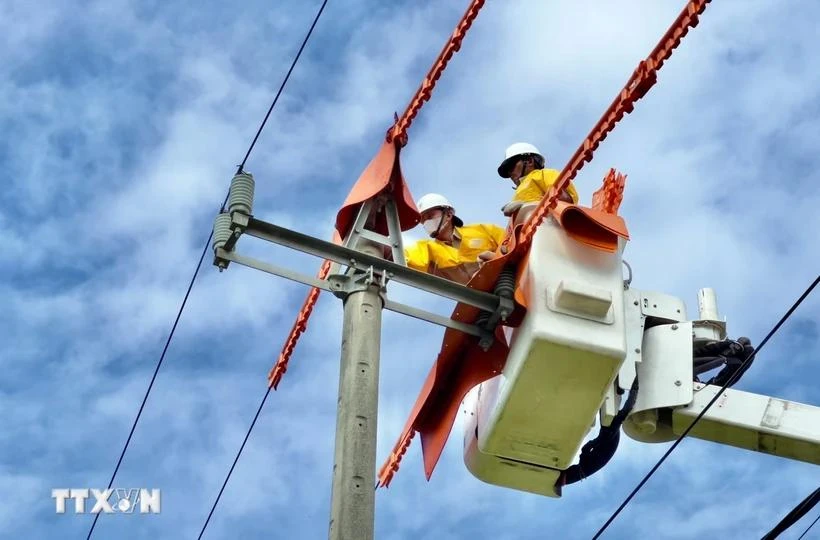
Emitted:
<point x="496" y="307"/>
<point x="334" y="282"/>
<point x="362" y="261"/>
<point x="359" y="232"/>
<point x="343" y="285"/>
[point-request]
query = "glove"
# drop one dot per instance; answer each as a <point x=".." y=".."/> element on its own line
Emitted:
<point x="511" y="207"/>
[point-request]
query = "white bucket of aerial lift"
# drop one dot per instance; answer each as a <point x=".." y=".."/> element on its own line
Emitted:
<point x="582" y="327"/>
<point x="563" y="358"/>
<point x="498" y="470"/>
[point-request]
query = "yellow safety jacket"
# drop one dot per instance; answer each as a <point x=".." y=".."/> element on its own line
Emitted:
<point x="457" y="262"/>
<point x="537" y="183"/>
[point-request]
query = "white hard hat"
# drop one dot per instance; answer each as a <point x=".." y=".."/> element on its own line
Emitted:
<point x="513" y="151"/>
<point x="434" y="200"/>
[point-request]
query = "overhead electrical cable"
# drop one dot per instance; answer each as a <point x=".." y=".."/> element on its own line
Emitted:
<point x="235" y="459"/>
<point x="813" y="523"/>
<point x="156" y="369"/>
<point x="797" y="513"/>
<point x="199" y="265"/>
<point x="269" y="387"/>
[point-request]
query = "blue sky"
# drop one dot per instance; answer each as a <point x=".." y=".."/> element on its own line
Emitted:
<point x="124" y="122"/>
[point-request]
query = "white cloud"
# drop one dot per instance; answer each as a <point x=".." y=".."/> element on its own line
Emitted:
<point x="117" y="159"/>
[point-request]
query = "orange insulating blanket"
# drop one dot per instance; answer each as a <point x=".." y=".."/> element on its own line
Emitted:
<point x="462" y="364"/>
<point x="382" y="175"/>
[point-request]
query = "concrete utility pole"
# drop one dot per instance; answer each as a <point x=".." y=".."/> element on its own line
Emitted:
<point x="353" y="497"/>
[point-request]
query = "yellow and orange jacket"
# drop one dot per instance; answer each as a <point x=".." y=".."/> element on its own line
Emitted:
<point x="451" y="262"/>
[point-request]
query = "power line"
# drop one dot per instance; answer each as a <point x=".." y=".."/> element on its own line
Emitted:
<point x="196" y="272"/>
<point x="809" y="527"/>
<point x="267" y="392"/>
<point x="796" y="514"/>
<point x="156" y="370"/>
<point x="242" y="447"/>
<point x="284" y="81"/>
<point x="728" y="383"/>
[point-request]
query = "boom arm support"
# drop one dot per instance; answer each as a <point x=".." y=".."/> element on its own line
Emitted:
<point x="760" y="423"/>
<point x="673" y="401"/>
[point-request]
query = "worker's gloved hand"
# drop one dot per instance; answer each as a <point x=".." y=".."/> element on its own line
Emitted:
<point x="511" y="207"/>
<point x="485" y="256"/>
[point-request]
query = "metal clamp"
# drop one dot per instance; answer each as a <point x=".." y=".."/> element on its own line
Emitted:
<point x="343" y="285"/>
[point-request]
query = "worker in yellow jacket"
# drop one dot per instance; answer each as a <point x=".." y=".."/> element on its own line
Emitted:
<point x="524" y="165"/>
<point x="455" y="251"/>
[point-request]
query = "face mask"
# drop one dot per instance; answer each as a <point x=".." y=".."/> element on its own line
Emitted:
<point x="432" y="225"/>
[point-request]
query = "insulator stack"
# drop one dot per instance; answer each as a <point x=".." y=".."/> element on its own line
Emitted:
<point x="241" y="194"/>
<point x="222" y="230"/>
<point x="505" y="286"/>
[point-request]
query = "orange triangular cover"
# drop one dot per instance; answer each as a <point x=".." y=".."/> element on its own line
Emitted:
<point x="382" y="173"/>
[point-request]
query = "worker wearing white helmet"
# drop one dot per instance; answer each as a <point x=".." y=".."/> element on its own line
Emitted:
<point x="524" y="165"/>
<point x="455" y="250"/>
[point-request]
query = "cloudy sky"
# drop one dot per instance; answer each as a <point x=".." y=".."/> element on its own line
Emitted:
<point x="124" y="122"/>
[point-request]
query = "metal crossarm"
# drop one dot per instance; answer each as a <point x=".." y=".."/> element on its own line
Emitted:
<point x="335" y="286"/>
